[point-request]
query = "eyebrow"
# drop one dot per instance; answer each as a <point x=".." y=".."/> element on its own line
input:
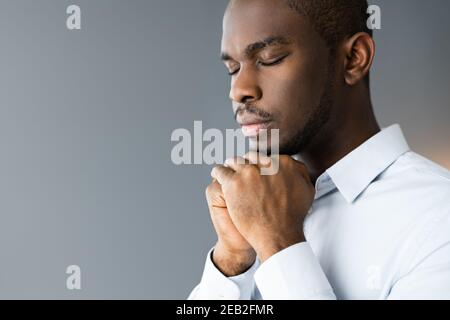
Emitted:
<point x="258" y="46"/>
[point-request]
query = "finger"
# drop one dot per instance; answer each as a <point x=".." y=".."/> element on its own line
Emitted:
<point x="214" y="187"/>
<point x="258" y="158"/>
<point x="222" y="174"/>
<point x="236" y="163"/>
<point x="214" y="195"/>
<point x="303" y="169"/>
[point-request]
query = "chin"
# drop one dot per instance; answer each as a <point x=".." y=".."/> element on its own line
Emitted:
<point x="266" y="148"/>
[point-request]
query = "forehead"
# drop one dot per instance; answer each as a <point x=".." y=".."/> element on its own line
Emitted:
<point x="249" y="21"/>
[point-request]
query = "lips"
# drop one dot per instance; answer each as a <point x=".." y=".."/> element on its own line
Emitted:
<point x="252" y="125"/>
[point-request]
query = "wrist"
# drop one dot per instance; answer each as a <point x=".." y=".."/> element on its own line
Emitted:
<point x="273" y="247"/>
<point x="232" y="262"/>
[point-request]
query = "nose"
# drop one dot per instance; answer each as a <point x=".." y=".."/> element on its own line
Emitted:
<point x="244" y="87"/>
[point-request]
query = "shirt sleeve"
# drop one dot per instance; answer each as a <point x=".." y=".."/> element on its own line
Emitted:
<point x="293" y="274"/>
<point x="214" y="285"/>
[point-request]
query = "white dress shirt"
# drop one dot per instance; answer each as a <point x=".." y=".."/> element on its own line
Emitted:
<point x="379" y="228"/>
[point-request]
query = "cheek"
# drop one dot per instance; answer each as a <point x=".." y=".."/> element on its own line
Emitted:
<point x="292" y="92"/>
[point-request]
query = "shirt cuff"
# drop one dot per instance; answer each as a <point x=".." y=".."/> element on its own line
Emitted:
<point x="216" y="286"/>
<point x="293" y="274"/>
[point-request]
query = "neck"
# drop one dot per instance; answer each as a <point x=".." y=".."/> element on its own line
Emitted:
<point x="334" y="143"/>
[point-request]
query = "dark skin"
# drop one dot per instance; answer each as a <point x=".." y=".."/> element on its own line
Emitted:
<point x="279" y="65"/>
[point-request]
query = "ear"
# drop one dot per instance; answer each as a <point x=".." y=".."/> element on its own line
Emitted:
<point x="359" y="54"/>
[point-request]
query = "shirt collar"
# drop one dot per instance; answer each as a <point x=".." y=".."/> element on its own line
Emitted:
<point x="352" y="174"/>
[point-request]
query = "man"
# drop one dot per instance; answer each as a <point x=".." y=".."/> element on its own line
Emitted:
<point x="352" y="213"/>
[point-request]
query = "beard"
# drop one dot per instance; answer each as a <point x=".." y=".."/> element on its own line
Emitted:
<point x="316" y="120"/>
<point x="318" y="117"/>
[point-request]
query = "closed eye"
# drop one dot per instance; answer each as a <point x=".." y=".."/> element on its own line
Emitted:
<point x="232" y="73"/>
<point x="267" y="63"/>
<point x="272" y="62"/>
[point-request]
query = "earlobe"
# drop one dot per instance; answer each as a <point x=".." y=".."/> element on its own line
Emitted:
<point x="359" y="54"/>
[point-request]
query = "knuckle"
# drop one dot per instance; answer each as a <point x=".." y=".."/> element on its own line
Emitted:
<point x="250" y="171"/>
<point x="251" y="156"/>
<point x="208" y="190"/>
<point x="240" y="160"/>
<point x="211" y="189"/>
<point x="234" y="160"/>
<point x="235" y="183"/>
<point x="304" y="170"/>
<point x="284" y="159"/>
<point x="301" y="165"/>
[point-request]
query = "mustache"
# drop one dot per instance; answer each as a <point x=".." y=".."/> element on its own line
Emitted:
<point x="248" y="108"/>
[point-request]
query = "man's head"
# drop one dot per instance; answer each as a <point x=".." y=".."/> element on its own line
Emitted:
<point x="295" y="65"/>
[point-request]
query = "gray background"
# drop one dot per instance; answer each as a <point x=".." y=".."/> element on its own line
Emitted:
<point x="85" y="124"/>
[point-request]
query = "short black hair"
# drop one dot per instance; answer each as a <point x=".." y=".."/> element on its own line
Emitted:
<point x="334" y="19"/>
